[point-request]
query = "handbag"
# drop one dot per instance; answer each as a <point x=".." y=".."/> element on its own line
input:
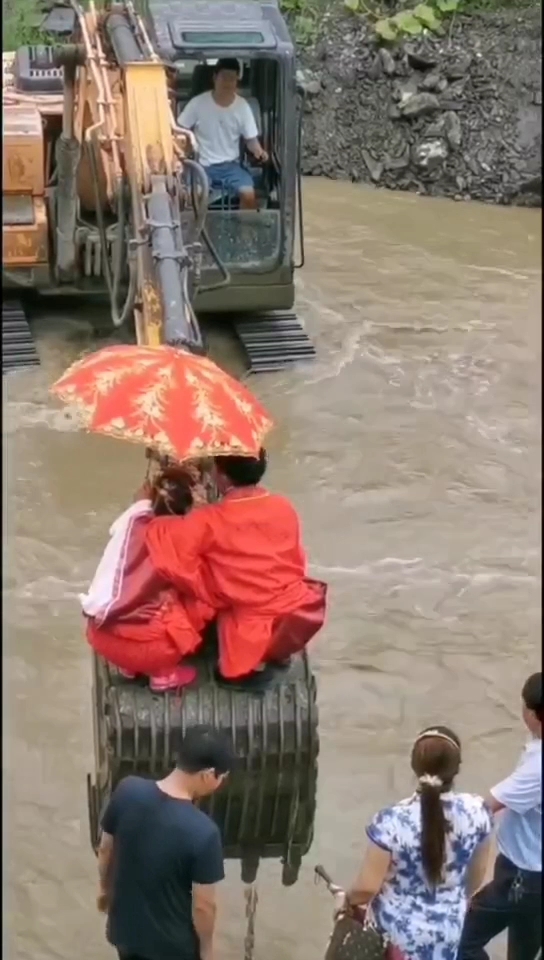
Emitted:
<point x="353" y="940"/>
<point x="354" y="936"/>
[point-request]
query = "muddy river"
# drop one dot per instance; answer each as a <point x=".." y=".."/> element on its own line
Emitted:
<point x="412" y="449"/>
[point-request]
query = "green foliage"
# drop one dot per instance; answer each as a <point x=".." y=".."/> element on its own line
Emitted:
<point x="386" y="30"/>
<point x="21" y="23"/>
<point x="359" y="6"/>
<point x="409" y="22"/>
<point x="447" y="6"/>
<point x="304" y="18"/>
<point x="428" y="16"/>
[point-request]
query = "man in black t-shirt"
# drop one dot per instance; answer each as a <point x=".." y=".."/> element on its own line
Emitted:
<point x="160" y="857"/>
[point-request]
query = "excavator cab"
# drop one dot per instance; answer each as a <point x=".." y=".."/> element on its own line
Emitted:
<point x="254" y="249"/>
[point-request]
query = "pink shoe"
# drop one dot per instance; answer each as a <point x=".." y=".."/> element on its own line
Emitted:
<point x="180" y="677"/>
<point x="127" y="675"/>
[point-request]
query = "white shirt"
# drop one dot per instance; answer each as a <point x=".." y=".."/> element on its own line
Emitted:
<point x="218" y="129"/>
<point x="519" y="836"/>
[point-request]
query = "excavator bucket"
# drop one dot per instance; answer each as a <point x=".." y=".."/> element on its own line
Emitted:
<point x="267" y="807"/>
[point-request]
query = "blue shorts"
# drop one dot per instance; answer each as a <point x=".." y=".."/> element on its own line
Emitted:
<point x="229" y="177"/>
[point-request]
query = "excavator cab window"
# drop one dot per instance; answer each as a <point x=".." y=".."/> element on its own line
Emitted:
<point x="246" y="239"/>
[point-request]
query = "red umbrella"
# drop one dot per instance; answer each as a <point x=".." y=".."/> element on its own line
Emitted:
<point x="182" y="405"/>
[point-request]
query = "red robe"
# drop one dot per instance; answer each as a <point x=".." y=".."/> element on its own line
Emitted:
<point x="245" y="552"/>
<point x="147" y="628"/>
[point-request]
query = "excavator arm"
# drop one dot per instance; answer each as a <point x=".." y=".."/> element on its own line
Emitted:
<point x="117" y="113"/>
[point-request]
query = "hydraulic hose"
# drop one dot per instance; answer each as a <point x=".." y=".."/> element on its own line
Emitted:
<point x="200" y="201"/>
<point x="113" y="280"/>
<point x="200" y="205"/>
<point x="219" y="264"/>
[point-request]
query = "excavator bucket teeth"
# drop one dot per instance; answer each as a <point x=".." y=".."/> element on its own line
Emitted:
<point x="18" y="347"/>
<point x="274" y="341"/>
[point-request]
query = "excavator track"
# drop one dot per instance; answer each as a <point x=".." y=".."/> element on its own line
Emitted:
<point x="18" y="347"/>
<point x="274" y="341"/>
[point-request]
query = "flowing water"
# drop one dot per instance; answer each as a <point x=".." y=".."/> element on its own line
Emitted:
<point x="412" y="449"/>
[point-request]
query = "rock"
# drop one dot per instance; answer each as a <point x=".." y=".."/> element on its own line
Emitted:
<point x="374" y="167"/>
<point x="457" y="88"/>
<point x="397" y="163"/>
<point x="401" y="91"/>
<point x="452" y="129"/>
<point x="430" y="154"/>
<point x="309" y="82"/>
<point x="321" y="52"/>
<point x="312" y="88"/>
<point x="458" y="69"/>
<point x="472" y="165"/>
<point x="537" y="98"/>
<point x="532" y="186"/>
<point x="354" y="175"/>
<point x="344" y="72"/>
<point x="388" y="62"/>
<point x="447" y="104"/>
<point x="375" y="70"/>
<point x="402" y="67"/>
<point x="435" y="129"/>
<point x="419" y="105"/>
<point x="431" y="81"/>
<point x="420" y="57"/>
<point x="394" y="113"/>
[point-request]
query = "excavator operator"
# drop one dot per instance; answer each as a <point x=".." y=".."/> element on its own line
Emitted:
<point x="219" y="118"/>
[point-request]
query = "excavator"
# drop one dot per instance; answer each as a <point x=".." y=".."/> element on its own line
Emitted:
<point x="103" y="191"/>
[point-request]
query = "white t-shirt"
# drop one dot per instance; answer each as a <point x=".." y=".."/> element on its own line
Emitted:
<point x="218" y="129"/>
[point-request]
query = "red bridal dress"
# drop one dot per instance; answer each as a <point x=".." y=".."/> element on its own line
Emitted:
<point x="136" y="619"/>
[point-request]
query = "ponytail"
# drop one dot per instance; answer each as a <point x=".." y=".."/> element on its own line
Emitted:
<point x="434" y="828"/>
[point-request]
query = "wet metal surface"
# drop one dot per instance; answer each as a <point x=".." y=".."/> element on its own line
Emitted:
<point x="412" y="448"/>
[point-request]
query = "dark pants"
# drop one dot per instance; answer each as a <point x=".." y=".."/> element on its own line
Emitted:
<point x="130" y="956"/>
<point x="135" y="956"/>
<point x="513" y="902"/>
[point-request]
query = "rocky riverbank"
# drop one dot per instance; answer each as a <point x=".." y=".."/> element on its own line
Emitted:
<point x="458" y="115"/>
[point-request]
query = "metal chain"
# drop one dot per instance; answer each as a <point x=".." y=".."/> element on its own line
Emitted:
<point x="252" y="898"/>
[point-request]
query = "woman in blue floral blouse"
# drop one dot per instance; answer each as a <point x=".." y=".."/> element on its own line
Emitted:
<point x="427" y="856"/>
